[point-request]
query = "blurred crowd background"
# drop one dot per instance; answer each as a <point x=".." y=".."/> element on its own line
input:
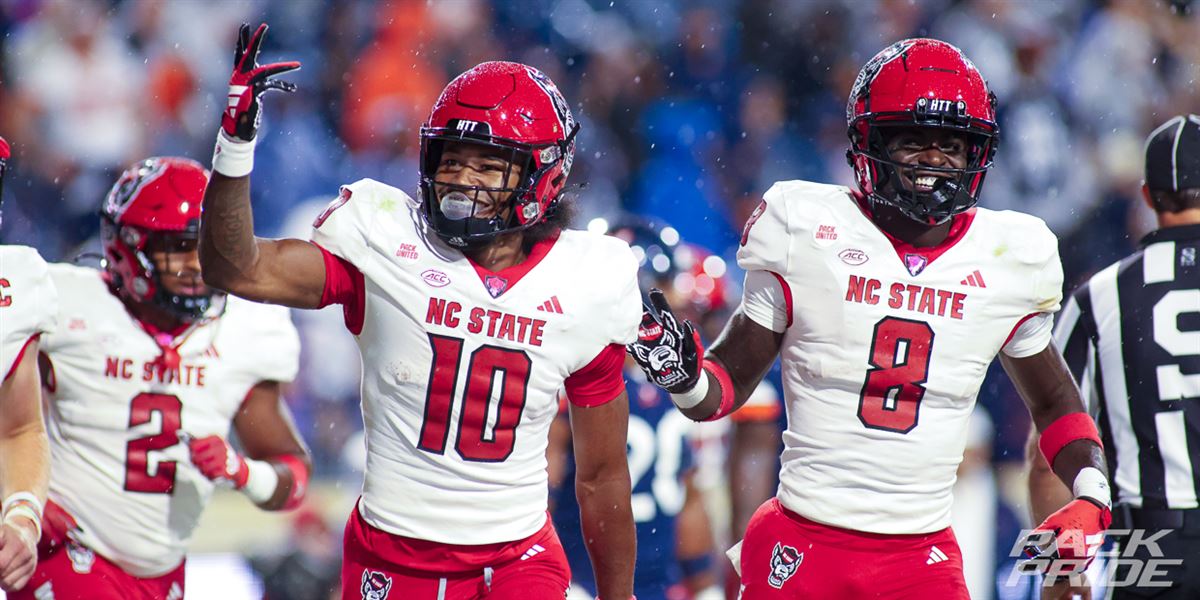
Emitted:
<point x="690" y="109"/>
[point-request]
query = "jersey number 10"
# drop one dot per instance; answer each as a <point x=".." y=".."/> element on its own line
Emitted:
<point x="486" y="363"/>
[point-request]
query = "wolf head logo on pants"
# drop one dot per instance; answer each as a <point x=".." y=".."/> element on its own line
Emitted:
<point x="784" y="561"/>
<point x="375" y="585"/>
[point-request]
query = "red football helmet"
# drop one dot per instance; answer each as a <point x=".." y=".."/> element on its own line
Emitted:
<point x="154" y="201"/>
<point x="511" y="107"/>
<point x="926" y="83"/>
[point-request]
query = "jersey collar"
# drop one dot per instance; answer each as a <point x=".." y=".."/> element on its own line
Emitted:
<point x="959" y="225"/>
<point x="498" y="282"/>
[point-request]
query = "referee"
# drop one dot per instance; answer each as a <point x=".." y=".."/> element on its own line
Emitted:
<point x="1131" y="337"/>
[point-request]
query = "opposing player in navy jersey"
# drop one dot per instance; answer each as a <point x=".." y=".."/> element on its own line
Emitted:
<point x="674" y="535"/>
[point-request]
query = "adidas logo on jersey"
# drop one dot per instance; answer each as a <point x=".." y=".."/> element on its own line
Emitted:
<point x="974" y="280"/>
<point x="936" y="556"/>
<point x="532" y="552"/>
<point x="551" y="305"/>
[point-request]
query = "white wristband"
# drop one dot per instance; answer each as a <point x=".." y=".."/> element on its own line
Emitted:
<point x="24" y="504"/>
<point x="261" y="480"/>
<point x="233" y="158"/>
<point x="1092" y="483"/>
<point x="693" y="396"/>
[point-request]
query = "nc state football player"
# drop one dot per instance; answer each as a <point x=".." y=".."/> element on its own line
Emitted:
<point x="27" y="310"/>
<point x="143" y="380"/>
<point x="472" y="306"/>
<point x="888" y="303"/>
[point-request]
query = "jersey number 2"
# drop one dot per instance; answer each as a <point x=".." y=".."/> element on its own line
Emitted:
<point x="891" y="395"/>
<point x="137" y="452"/>
<point x="475" y="442"/>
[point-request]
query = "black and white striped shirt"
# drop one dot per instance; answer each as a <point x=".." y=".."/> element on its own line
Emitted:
<point x="1131" y="336"/>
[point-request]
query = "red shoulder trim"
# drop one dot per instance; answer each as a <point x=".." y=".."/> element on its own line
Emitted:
<point x="20" y="355"/>
<point x="787" y="295"/>
<point x="505" y="279"/>
<point x="344" y="285"/>
<point x="1016" y="327"/>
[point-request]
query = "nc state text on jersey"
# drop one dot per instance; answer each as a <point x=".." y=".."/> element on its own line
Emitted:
<point x="916" y="298"/>
<point x="492" y="323"/>
<point x="123" y="368"/>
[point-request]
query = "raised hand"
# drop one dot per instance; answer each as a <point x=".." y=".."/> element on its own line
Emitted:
<point x="248" y="82"/>
<point x="668" y="351"/>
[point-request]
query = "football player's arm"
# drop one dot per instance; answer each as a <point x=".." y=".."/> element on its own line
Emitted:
<point x="1050" y="393"/>
<point x="24" y="469"/>
<point x="274" y="471"/>
<point x="745" y="350"/>
<point x="290" y="272"/>
<point x="694" y="541"/>
<point x="603" y="488"/>
<point x="1047" y="493"/>
<point x="267" y="432"/>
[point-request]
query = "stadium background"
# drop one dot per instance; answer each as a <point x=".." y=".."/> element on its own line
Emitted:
<point x="690" y="110"/>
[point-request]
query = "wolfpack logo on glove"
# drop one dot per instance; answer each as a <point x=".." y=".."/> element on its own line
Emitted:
<point x="375" y="585"/>
<point x="784" y="562"/>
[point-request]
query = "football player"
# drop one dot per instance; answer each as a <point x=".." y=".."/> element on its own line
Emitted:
<point x="144" y="379"/>
<point x="28" y="305"/>
<point x="472" y="306"/>
<point x="888" y="303"/>
<point x="674" y="534"/>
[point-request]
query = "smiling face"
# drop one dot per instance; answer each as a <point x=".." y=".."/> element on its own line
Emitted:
<point x="485" y="167"/>
<point x="925" y="147"/>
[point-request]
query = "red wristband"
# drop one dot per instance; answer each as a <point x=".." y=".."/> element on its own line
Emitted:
<point x="1063" y="431"/>
<point x="725" y="383"/>
<point x="299" y="479"/>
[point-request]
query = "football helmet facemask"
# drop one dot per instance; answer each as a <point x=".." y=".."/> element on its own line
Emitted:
<point x="517" y="113"/>
<point x="155" y="204"/>
<point x="921" y="82"/>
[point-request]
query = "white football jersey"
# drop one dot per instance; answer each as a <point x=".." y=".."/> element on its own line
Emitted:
<point x="116" y="418"/>
<point x="885" y="346"/>
<point x="28" y="303"/>
<point x="461" y="367"/>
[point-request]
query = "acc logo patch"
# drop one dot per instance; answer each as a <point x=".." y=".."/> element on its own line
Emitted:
<point x="375" y="585"/>
<point x="435" y="278"/>
<point x="784" y="562"/>
<point x="853" y="256"/>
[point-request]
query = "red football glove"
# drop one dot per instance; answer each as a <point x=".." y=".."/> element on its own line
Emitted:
<point x="1069" y="538"/>
<point x="58" y="527"/>
<point x="218" y="461"/>
<point x="248" y="81"/>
